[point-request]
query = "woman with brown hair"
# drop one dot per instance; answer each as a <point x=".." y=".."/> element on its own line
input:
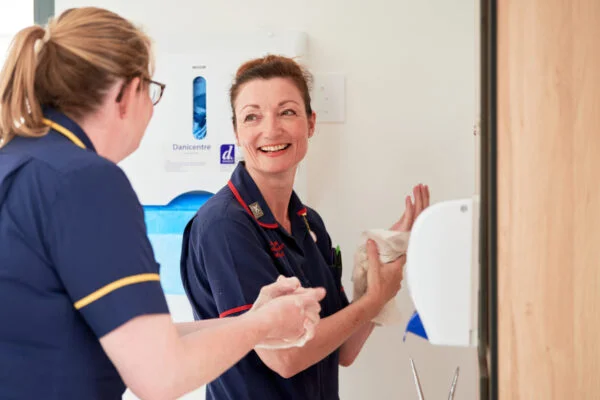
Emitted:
<point x="256" y="228"/>
<point x="83" y="312"/>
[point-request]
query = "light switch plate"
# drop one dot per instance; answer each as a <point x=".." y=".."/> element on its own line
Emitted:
<point x="329" y="97"/>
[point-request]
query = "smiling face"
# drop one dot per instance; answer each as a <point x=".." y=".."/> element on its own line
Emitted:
<point x="272" y="125"/>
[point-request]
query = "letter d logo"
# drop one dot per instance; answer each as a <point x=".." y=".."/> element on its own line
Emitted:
<point x="227" y="154"/>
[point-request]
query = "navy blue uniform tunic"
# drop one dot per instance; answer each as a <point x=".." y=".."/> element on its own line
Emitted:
<point x="231" y="249"/>
<point x="75" y="263"/>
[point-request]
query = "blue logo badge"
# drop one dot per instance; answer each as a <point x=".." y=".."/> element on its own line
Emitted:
<point x="227" y="154"/>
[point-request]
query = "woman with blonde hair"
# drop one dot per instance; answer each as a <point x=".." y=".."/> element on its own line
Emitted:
<point x="83" y="312"/>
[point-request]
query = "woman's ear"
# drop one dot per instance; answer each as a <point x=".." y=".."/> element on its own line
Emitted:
<point x="129" y="91"/>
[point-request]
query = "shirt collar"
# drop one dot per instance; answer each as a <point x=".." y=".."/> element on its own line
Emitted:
<point x="61" y="119"/>
<point x="248" y="195"/>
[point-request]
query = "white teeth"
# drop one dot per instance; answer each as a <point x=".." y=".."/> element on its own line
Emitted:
<point x="274" y="148"/>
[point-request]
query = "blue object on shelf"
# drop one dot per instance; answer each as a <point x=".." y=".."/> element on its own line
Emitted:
<point x="165" y="225"/>
<point x="415" y="326"/>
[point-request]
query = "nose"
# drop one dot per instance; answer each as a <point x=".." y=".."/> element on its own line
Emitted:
<point x="272" y="125"/>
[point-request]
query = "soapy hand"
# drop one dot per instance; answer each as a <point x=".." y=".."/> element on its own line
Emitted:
<point x="280" y="287"/>
<point x="413" y="208"/>
<point x="290" y="311"/>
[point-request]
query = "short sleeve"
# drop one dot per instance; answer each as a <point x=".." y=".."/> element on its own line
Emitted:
<point x="226" y="265"/>
<point x="98" y="244"/>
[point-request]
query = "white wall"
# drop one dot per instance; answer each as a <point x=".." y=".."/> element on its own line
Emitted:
<point x="410" y="108"/>
<point x="15" y="15"/>
<point x="19" y="17"/>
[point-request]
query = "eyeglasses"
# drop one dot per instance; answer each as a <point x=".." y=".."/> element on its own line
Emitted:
<point x="155" y="90"/>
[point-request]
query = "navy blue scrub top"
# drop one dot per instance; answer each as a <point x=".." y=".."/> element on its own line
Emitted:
<point x="231" y="249"/>
<point x="75" y="263"/>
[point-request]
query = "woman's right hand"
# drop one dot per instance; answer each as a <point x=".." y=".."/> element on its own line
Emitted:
<point x="288" y="310"/>
<point x="383" y="280"/>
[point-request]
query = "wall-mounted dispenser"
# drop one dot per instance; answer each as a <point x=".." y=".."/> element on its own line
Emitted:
<point x="442" y="273"/>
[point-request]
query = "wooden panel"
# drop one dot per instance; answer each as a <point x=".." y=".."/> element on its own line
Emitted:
<point x="549" y="199"/>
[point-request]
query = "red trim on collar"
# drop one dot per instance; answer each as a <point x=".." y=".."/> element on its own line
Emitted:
<point x="243" y="204"/>
<point x="302" y="212"/>
<point x="235" y="310"/>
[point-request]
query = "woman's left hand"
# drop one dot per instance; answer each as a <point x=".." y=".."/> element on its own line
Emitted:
<point x="413" y="208"/>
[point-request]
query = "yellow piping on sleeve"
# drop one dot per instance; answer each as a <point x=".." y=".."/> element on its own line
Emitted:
<point x="111" y="287"/>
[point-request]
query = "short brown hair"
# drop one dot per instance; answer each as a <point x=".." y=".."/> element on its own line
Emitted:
<point x="268" y="67"/>
<point x="68" y="66"/>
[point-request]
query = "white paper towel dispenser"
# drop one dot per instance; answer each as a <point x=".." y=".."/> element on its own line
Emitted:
<point x="442" y="271"/>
